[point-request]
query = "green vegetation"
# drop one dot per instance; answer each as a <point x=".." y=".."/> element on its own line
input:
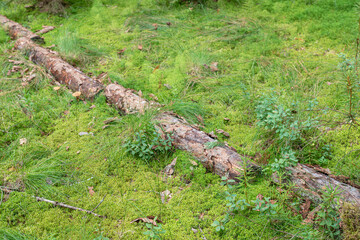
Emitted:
<point x="280" y="76"/>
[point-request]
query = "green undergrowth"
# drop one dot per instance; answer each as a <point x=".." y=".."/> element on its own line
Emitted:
<point x="269" y="72"/>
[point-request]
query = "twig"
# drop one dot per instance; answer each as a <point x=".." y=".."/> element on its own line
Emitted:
<point x="68" y="206"/>
<point x="99" y="203"/>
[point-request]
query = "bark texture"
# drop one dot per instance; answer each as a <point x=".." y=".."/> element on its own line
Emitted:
<point x="311" y="181"/>
<point x="17" y="31"/>
<point x="126" y="100"/>
<point x="221" y="160"/>
<point x="61" y="70"/>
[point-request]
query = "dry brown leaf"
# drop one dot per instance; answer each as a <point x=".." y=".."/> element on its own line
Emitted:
<point x="76" y="94"/>
<point x="156" y="68"/>
<point x="148" y="219"/>
<point x="214" y="67"/>
<point x="23" y="141"/>
<point x="153" y="97"/>
<point x="220" y="131"/>
<point x="165" y="195"/>
<point x="169" y="169"/>
<point x="193" y="162"/>
<point x="12" y="169"/>
<point x="91" y="191"/>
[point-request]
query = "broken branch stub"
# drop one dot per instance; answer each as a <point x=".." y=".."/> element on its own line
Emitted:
<point x="61" y="70"/>
<point x="17" y="31"/>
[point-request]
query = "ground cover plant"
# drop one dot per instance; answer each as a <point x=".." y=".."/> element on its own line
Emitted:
<point x="280" y="76"/>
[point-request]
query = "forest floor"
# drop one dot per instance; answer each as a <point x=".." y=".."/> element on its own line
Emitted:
<point x="224" y="66"/>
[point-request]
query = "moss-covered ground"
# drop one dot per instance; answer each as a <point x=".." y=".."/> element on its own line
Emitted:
<point x="212" y="60"/>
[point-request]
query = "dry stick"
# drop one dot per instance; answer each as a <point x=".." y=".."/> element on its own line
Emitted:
<point x="39" y="199"/>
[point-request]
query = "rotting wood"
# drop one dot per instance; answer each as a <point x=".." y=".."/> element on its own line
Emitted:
<point x="39" y="199"/>
<point x="126" y="100"/>
<point x="225" y="161"/>
<point x="310" y="182"/>
<point x="222" y="160"/>
<point x="17" y="31"/>
<point x="61" y="70"/>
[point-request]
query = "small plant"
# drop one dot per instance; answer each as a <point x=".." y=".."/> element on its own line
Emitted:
<point x="287" y="159"/>
<point x="349" y="67"/>
<point x="265" y="207"/>
<point x="154" y="232"/>
<point x="293" y="134"/>
<point x="329" y="217"/>
<point x="148" y="143"/>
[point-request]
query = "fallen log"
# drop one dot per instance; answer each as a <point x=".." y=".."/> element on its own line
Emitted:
<point x="311" y="183"/>
<point x="61" y="70"/>
<point x="222" y="160"/>
<point x="225" y="161"/>
<point x="17" y="31"/>
<point x="125" y="99"/>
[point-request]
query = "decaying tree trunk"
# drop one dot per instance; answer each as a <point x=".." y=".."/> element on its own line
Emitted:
<point x="61" y="70"/>
<point x="126" y="100"/>
<point x="311" y="182"/>
<point x="17" y="31"/>
<point x="223" y="160"/>
<point x="220" y="159"/>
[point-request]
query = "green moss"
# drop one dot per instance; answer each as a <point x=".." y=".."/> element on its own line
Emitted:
<point x="289" y="47"/>
<point x="350" y="216"/>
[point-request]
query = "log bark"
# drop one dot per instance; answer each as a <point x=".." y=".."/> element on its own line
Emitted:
<point x="310" y="182"/>
<point x="126" y="100"/>
<point x="223" y="160"/>
<point x="17" y="31"/>
<point x="61" y="70"/>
